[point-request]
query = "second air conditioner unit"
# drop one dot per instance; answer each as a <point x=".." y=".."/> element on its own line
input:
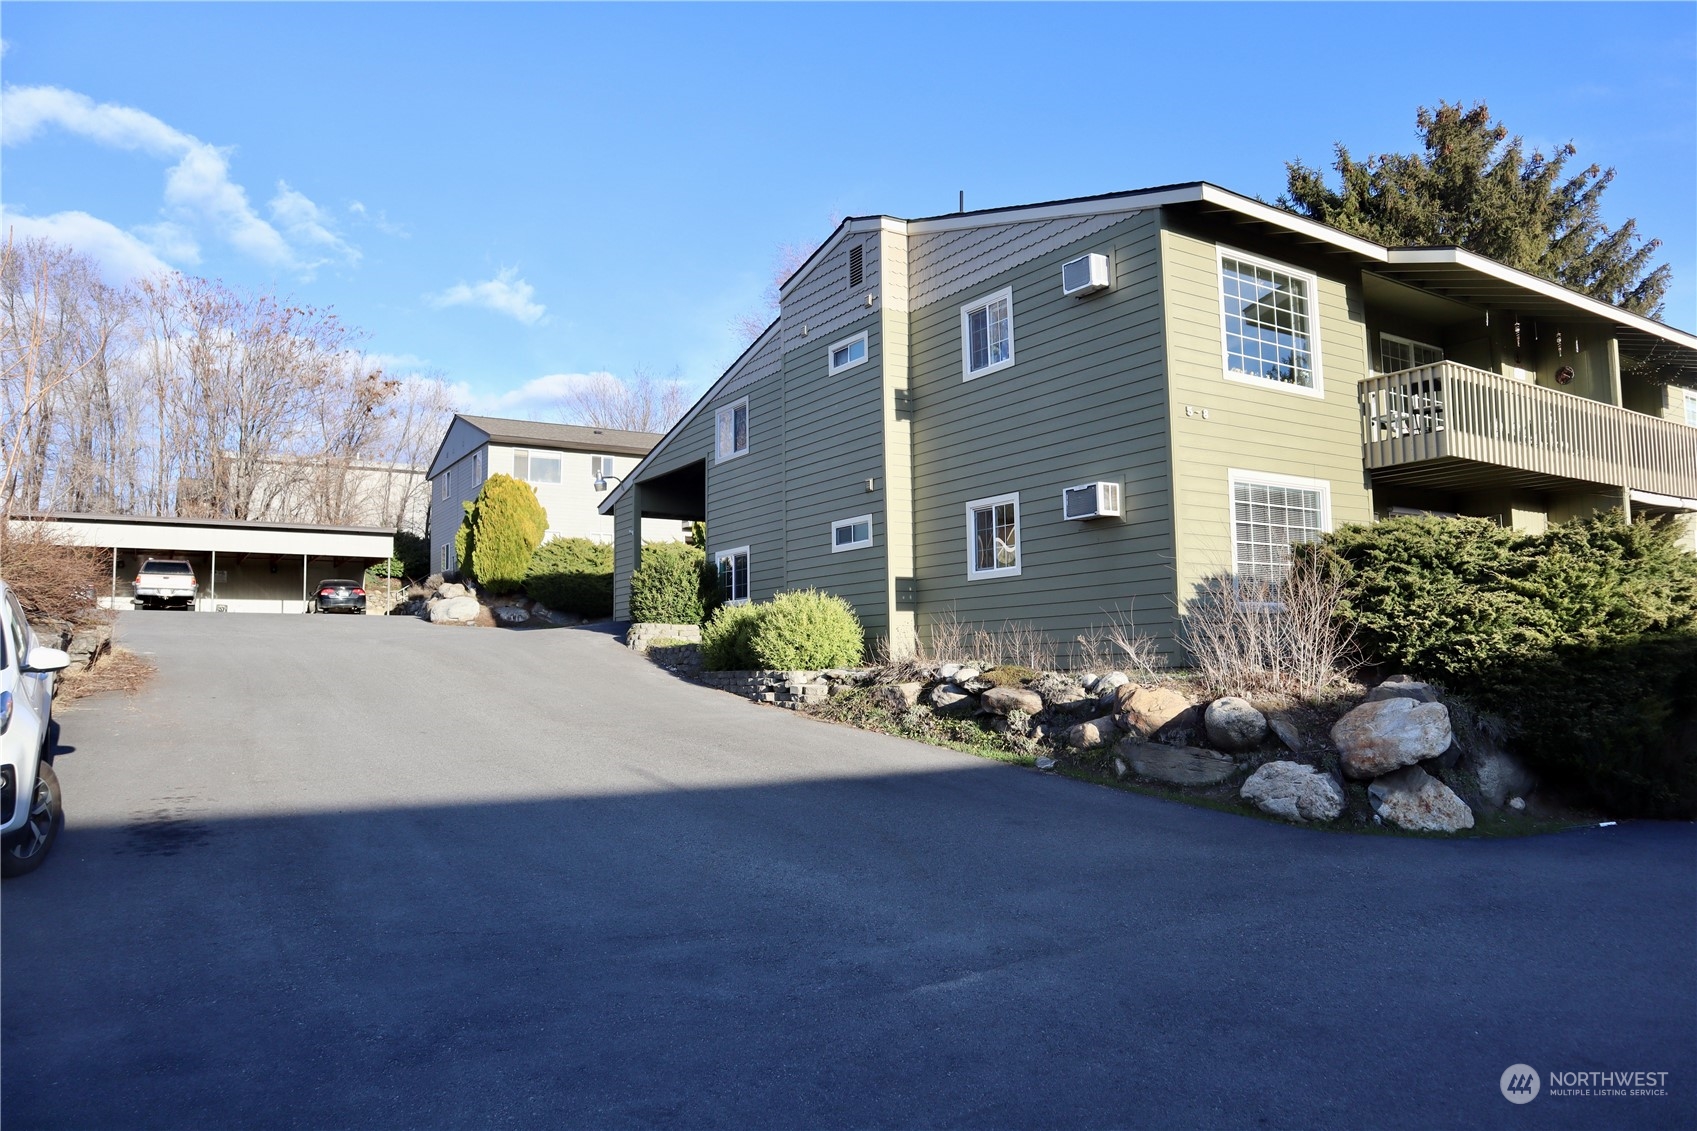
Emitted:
<point x="1085" y="275"/>
<point x="1091" y="500"/>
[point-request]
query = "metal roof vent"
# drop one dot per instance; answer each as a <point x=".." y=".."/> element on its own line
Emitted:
<point x="857" y="267"/>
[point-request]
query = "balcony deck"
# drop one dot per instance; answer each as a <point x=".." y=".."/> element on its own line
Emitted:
<point x="1451" y="426"/>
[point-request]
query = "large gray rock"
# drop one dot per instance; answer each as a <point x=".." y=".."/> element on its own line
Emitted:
<point x="1501" y="776"/>
<point x="1062" y="694"/>
<point x="1176" y="765"/>
<point x="511" y="614"/>
<point x="455" y="610"/>
<point x="950" y="697"/>
<point x="1233" y="725"/>
<point x="450" y="590"/>
<point x="1148" y="711"/>
<point x="1112" y="680"/>
<point x="1092" y="732"/>
<point x="1412" y="799"/>
<point x="1376" y="738"/>
<point x="1002" y="700"/>
<point x="1403" y="687"/>
<point x="897" y="697"/>
<point x="1294" y="791"/>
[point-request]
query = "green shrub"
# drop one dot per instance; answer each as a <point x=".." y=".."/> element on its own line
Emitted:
<point x="507" y="525"/>
<point x="727" y="638"/>
<point x="808" y="630"/>
<point x="412" y="551"/>
<point x="572" y="575"/>
<point x="1615" y="723"/>
<point x="464" y="538"/>
<point x="1453" y="598"/>
<point x="666" y="585"/>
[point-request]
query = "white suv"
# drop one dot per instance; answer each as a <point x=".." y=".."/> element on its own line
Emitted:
<point x="30" y="809"/>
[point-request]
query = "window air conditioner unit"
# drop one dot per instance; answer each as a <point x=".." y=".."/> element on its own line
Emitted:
<point x="1085" y="275"/>
<point x="1091" y="500"/>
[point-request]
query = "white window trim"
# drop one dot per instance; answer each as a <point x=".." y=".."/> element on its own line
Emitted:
<point x="721" y="456"/>
<point x="1688" y="402"/>
<point x="1234" y="476"/>
<point x="530" y="456"/>
<point x="967" y="373"/>
<point x="601" y="467"/>
<point x="1318" y="392"/>
<point x="842" y="522"/>
<point x="1385" y="336"/>
<point x="832" y="368"/>
<point x="719" y="561"/>
<point x="973" y="573"/>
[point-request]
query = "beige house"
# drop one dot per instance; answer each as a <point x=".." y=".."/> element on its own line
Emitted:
<point x="1055" y="412"/>
<point x="570" y="466"/>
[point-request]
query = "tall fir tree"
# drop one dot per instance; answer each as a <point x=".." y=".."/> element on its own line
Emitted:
<point x="1475" y="187"/>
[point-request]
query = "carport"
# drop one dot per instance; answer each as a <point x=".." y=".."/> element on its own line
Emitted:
<point x="243" y="567"/>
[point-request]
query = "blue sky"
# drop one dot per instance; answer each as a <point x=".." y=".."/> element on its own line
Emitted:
<point x="512" y="195"/>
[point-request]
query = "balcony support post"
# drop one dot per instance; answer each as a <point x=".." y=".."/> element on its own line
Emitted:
<point x="1617" y="397"/>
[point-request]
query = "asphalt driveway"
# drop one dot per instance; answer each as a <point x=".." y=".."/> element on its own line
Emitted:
<point x="363" y="872"/>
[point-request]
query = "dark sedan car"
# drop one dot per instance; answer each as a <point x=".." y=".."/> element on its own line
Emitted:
<point x="338" y="594"/>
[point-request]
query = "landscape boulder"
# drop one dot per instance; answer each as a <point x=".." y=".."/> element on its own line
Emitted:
<point x="1002" y="700"/>
<point x="454" y="610"/>
<point x="1092" y="732"/>
<point x="1412" y="799"/>
<point x="1147" y="711"/>
<point x="449" y="590"/>
<point x="1376" y="738"/>
<point x="1176" y="765"/>
<point x="1403" y="687"/>
<point x="510" y="614"/>
<point x="896" y="697"/>
<point x="1501" y="776"/>
<point x="950" y="697"/>
<point x="1285" y="730"/>
<point x="1062" y="694"/>
<point x="1294" y="791"/>
<point x="1233" y="725"/>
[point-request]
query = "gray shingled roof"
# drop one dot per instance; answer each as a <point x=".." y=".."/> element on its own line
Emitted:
<point x="573" y="437"/>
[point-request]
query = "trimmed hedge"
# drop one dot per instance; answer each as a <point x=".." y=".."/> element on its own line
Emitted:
<point x="1454" y="598"/>
<point x="572" y="575"/>
<point x="805" y="630"/>
<point x="667" y="583"/>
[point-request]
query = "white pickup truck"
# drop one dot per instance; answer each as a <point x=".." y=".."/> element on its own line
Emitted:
<point x="166" y="582"/>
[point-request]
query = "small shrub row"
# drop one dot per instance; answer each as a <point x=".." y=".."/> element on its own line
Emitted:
<point x="671" y="584"/>
<point x="805" y="630"/>
<point x="572" y="575"/>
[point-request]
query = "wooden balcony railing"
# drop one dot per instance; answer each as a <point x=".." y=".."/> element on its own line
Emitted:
<point x="1453" y="412"/>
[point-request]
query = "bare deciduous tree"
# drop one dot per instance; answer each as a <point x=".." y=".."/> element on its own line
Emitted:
<point x="785" y="262"/>
<point x="643" y="403"/>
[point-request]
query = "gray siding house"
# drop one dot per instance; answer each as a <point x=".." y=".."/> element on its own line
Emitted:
<point x="1057" y="413"/>
<point x="571" y="468"/>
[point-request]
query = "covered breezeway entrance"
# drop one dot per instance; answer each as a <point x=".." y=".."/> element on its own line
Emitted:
<point x="242" y="567"/>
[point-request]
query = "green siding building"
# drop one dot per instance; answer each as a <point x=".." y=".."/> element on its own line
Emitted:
<point x="909" y="433"/>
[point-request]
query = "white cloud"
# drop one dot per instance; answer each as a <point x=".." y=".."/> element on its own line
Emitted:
<point x="506" y="294"/>
<point x="538" y="395"/>
<point x="381" y="221"/>
<point x="393" y="363"/>
<point x="199" y="194"/>
<point x="122" y="255"/>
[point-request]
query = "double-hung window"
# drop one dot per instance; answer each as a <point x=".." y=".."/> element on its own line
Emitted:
<point x="851" y="533"/>
<point x="733" y="575"/>
<point x="535" y="467"/>
<point x="600" y="467"/>
<point x="1691" y="409"/>
<point x="847" y="354"/>
<point x="986" y="334"/>
<point x="1397" y="354"/>
<point x="992" y="537"/>
<point x="1269" y="331"/>
<point x="1269" y="514"/>
<point x="732" y="430"/>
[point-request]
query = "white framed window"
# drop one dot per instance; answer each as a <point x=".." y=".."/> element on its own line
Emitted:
<point x="444" y="566"/>
<point x="847" y="353"/>
<point x="851" y="533"/>
<point x="1691" y="408"/>
<point x="1397" y="354"/>
<point x="445" y="484"/>
<point x="732" y="430"/>
<point x="600" y="467"/>
<point x="733" y="574"/>
<point x="1269" y="514"/>
<point x="1267" y="324"/>
<point x="535" y="467"/>
<point x="986" y="334"/>
<point x="992" y="537"/>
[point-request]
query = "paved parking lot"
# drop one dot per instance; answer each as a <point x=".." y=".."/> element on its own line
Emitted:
<point x="363" y="872"/>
